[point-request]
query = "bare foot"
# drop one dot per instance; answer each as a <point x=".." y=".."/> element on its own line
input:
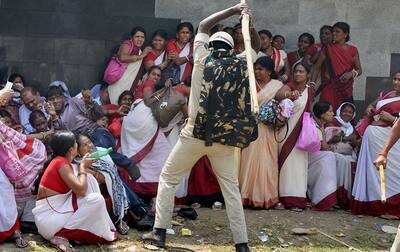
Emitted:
<point x="20" y="242"/>
<point x="62" y="244"/>
<point x="122" y="227"/>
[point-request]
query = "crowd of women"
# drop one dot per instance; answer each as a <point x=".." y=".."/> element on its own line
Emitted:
<point x="51" y="186"/>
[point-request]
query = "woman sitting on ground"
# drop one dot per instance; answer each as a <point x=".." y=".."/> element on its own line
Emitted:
<point x="375" y="128"/>
<point x="106" y="174"/>
<point x="158" y="56"/>
<point x="327" y="170"/>
<point x="130" y="52"/>
<point x="69" y="205"/>
<point x="341" y="132"/>
<point x="180" y="51"/>
<point x="31" y="154"/>
<point x="142" y="139"/>
<point x="125" y="100"/>
<point x="10" y="224"/>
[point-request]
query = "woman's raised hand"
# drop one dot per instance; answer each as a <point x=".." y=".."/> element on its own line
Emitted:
<point x="123" y="110"/>
<point x="147" y="50"/>
<point x="172" y="55"/>
<point x="168" y="83"/>
<point x="87" y="162"/>
<point x="368" y="112"/>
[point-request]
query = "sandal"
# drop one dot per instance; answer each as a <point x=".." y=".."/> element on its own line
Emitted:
<point x="62" y="244"/>
<point x="296" y="209"/>
<point x="196" y="205"/>
<point x="20" y="242"/>
<point x="122" y="227"/>
<point x="389" y="217"/>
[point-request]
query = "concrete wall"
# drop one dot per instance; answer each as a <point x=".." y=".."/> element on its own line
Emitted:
<point x="375" y="29"/>
<point x="70" y="40"/>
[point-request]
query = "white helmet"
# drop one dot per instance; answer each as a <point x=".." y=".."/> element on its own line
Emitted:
<point x="223" y="37"/>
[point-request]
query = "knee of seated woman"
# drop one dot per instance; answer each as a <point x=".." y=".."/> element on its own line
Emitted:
<point x="94" y="198"/>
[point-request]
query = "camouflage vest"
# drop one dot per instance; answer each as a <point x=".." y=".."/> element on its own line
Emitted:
<point x="224" y="115"/>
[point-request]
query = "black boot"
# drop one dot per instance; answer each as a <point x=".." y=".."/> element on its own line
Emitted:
<point x="156" y="237"/>
<point x="242" y="247"/>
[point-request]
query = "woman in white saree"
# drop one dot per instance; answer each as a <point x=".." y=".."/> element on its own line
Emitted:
<point x="381" y="114"/>
<point x="143" y="140"/>
<point x="69" y="205"/>
<point x="180" y="50"/>
<point x="327" y="170"/>
<point x="293" y="163"/>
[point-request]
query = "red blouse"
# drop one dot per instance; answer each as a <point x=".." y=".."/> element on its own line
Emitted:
<point x="139" y="90"/>
<point x="51" y="178"/>
<point x="292" y="58"/>
<point x="150" y="57"/>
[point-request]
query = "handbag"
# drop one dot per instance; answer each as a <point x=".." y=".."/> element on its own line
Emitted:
<point x="168" y="102"/>
<point x="10" y="163"/>
<point x="269" y="115"/>
<point x="115" y="68"/>
<point x="308" y="139"/>
<point x="173" y="72"/>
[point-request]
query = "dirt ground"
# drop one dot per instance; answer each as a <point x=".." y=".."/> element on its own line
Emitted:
<point x="210" y="232"/>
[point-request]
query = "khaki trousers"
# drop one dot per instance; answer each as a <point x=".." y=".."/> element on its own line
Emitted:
<point x="225" y="162"/>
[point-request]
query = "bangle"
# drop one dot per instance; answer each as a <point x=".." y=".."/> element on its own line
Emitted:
<point x="383" y="153"/>
<point x="187" y="58"/>
<point x="355" y="73"/>
<point x="82" y="173"/>
<point x="312" y="83"/>
<point x="43" y="135"/>
<point x="286" y="94"/>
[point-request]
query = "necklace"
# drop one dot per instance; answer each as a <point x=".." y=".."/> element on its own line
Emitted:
<point x="298" y="55"/>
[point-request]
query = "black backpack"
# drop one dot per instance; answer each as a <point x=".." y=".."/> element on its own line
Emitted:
<point x="224" y="115"/>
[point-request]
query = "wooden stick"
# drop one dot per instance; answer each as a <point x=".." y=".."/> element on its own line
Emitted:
<point x="341" y="242"/>
<point x="250" y="67"/>
<point x="383" y="184"/>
